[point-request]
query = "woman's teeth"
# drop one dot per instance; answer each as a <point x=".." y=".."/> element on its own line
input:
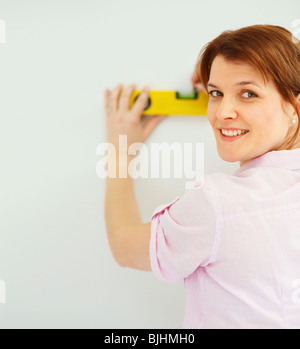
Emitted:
<point x="234" y="133"/>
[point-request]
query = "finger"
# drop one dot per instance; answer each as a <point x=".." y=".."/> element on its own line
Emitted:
<point x="200" y="87"/>
<point x="194" y="78"/>
<point x="114" y="97"/>
<point x="125" y="98"/>
<point x="108" y="108"/>
<point x="151" y="124"/>
<point x="140" y="103"/>
<point x="106" y="97"/>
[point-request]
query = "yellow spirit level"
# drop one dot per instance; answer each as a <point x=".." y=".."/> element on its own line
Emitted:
<point x="173" y="103"/>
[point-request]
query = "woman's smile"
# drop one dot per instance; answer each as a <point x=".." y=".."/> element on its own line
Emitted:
<point x="230" y="135"/>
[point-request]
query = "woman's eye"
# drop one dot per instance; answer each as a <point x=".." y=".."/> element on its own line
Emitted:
<point x="249" y="94"/>
<point x="215" y="93"/>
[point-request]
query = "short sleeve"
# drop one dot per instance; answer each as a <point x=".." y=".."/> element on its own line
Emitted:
<point x="183" y="234"/>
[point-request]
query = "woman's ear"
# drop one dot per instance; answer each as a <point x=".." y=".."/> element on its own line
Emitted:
<point x="294" y="114"/>
<point x="298" y="103"/>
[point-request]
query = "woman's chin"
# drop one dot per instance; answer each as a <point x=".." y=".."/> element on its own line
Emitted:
<point x="229" y="157"/>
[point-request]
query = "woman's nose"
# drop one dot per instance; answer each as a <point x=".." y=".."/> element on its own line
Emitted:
<point x="226" y="109"/>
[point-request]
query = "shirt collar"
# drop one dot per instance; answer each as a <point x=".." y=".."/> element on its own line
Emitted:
<point x="288" y="159"/>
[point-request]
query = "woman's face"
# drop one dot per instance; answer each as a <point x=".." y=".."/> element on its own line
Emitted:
<point x="251" y="113"/>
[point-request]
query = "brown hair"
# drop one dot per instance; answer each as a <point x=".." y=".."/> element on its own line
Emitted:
<point x="270" y="49"/>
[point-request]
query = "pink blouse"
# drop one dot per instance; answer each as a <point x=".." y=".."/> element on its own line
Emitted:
<point x="235" y="241"/>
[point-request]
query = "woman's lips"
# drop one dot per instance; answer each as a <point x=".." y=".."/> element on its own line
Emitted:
<point x="232" y="138"/>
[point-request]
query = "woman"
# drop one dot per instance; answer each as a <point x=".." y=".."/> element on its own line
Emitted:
<point x="235" y="241"/>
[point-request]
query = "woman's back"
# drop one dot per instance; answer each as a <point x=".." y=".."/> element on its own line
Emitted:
<point x="244" y="271"/>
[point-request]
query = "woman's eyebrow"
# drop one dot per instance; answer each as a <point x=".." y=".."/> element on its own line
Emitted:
<point x="211" y="85"/>
<point x="243" y="83"/>
<point x="240" y="83"/>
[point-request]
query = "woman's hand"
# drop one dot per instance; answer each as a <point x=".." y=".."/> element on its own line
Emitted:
<point x="120" y="120"/>
<point x="196" y="82"/>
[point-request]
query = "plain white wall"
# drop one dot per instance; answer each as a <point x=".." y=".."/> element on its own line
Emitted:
<point x="58" y="58"/>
